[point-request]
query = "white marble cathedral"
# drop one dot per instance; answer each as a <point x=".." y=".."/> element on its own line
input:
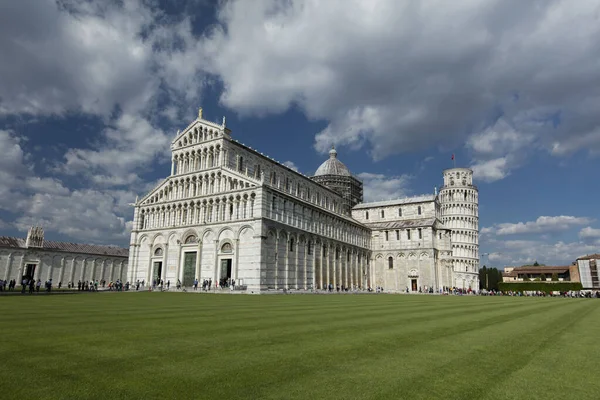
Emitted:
<point x="228" y="212"/>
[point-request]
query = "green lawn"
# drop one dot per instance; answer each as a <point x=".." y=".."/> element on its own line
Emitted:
<point x="182" y="345"/>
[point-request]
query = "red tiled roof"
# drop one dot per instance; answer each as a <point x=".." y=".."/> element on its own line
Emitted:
<point x="95" y="249"/>
<point x="590" y="257"/>
<point x="529" y="269"/>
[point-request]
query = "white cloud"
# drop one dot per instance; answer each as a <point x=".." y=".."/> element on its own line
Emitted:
<point x="76" y="57"/>
<point x="541" y="225"/>
<point x="290" y="165"/>
<point x="117" y="61"/>
<point x="382" y="187"/>
<point x="401" y="76"/>
<point x="130" y="145"/>
<point x="491" y="170"/>
<point x="83" y="214"/>
<point x="498" y="150"/>
<point x="526" y="252"/>
<point x="589" y="233"/>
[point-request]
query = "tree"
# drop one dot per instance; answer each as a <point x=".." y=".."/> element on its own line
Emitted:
<point x="536" y="264"/>
<point x="525" y="278"/>
<point x="542" y="277"/>
<point x="482" y="272"/>
<point x="555" y="277"/>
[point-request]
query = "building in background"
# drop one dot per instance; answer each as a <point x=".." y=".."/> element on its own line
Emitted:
<point x="588" y="271"/>
<point x="228" y="213"/>
<point x="459" y="210"/>
<point x="410" y="247"/>
<point x="36" y="258"/>
<point x="567" y="273"/>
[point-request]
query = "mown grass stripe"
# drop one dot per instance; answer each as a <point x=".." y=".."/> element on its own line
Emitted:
<point x="157" y="345"/>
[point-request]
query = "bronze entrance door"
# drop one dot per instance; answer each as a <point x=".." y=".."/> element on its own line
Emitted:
<point x="157" y="271"/>
<point x="413" y="283"/>
<point x="189" y="269"/>
<point x="29" y="272"/>
<point x="225" y="272"/>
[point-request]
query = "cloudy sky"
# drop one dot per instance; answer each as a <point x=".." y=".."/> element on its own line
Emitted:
<point x="91" y="93"/>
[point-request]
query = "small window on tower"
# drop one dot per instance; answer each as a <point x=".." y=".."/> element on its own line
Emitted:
<point x="408" y="234"/>
<point x="366" y="215"/>
<point x="397" y="235"/>
<point x="399" y="212"/>
<point x="419" y="210"/>
<point x="386" y="236"/>
<point x="420" y="233"/>
<point x="382" y="214"/>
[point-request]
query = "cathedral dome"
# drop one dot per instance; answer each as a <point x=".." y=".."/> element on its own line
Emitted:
<point x="333" y="166"/>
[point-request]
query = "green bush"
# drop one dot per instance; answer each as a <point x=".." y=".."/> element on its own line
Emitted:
<point x="542" y="277"/>
<point x="555" y="277"/>
<point x="540" y="286"/>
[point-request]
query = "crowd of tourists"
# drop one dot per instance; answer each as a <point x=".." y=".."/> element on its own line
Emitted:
<point x="30" y="285"/>
<point x="538" y="293"/>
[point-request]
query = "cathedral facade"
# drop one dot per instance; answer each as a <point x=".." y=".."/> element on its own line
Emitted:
<point x="228" y="213"/>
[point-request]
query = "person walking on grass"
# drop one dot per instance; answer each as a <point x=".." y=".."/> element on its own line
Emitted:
<point x="31" y="286"/>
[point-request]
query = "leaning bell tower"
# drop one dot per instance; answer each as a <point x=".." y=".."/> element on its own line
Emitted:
<point x="459" y="201"/>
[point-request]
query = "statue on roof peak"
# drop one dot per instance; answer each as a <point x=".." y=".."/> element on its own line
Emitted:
<point x="200" y="113"/>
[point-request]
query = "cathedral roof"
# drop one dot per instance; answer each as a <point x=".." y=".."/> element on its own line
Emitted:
<point x="408" y="200"/>
<point x="333" y="166"/>
<point x="406" y="224"/>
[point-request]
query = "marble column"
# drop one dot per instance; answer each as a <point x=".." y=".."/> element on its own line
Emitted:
<point x="82" y="272"/>
<point x="287" y="263"/>
<point x="328" y="256"/>
<point x="164" y="262"/>
<point x="305" y="279"/>
<point x="8" y="265"/>
<point x="179" y="262"/>
<point x="50" y="268"/>
<point x="216" y="264"/>
<point x="321" y="261"/>
<point x="296" y="273"/>
<point x="149" y="272"/>
<point x="335" y="268"/>
<point x="198" y="254"/>
<point x="93" y="270"/>
<point x="277" y="261"/>
<point x="237" y="260"/>
<point x="72" y="272"/>
<point x="111" y="276"/>
<point x="63" y="263"/>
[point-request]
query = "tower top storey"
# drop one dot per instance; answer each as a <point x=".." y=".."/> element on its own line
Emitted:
<point x="458" y="177"/>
